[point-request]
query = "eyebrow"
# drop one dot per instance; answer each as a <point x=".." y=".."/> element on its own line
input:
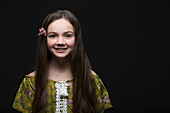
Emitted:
<point x="57" y="33"/>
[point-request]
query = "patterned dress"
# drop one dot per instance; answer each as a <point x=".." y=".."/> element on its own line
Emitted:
<point x="59" y="95"/>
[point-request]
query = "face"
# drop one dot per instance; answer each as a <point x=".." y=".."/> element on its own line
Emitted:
<point x="60" y="38"/>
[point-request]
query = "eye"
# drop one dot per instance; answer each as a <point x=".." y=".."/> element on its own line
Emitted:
<point x="52" y="36"/>
<point x="68" y="35"/>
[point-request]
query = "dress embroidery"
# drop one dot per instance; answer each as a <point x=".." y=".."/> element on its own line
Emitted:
<point x="61" y="97"/>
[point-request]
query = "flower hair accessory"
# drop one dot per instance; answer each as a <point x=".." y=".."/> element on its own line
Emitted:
<point x="42" y="31"/>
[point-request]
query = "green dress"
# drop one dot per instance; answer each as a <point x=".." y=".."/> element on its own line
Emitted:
<point x="25" y="95"/>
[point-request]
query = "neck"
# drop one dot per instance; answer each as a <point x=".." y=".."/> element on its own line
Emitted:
<point x="60" y="63"/>
<point x="60" y="69"/>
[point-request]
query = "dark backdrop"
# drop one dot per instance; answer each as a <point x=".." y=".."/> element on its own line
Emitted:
<point x="126" y="41"/>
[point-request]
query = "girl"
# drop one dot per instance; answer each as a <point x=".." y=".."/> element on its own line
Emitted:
<point x="63" y="81"/>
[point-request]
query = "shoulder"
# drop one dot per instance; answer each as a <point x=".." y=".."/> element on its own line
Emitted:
<point x="31" y="74"/>
<point x="95" y="75"/>
<point x="29" y="79"/>
<point x="28" y="82"/>
<point x="97" y="79"/>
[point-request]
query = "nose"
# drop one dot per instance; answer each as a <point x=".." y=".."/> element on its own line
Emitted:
<point x="60" y="41"/>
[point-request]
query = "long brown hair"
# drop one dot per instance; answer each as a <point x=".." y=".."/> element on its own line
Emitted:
<point x="84" y="91"/>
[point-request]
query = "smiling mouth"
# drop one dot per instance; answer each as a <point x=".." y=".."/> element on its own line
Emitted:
<point x="60" y="48"/>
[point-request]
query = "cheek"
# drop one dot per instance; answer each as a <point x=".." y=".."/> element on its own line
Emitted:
<point x="50" y="43"/>
<point x="71" y="42"/>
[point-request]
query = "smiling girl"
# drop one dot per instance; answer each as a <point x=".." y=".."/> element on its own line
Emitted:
<point x="63" y="81"/>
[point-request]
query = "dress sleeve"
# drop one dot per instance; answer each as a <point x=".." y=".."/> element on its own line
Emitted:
<point x="24" y="97"/>
<point x="102" y="95"/>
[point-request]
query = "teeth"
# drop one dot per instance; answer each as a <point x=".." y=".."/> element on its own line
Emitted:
<point x="60" y="48"/>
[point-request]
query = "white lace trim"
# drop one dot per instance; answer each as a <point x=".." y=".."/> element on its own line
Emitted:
<point x="61" y="94"/>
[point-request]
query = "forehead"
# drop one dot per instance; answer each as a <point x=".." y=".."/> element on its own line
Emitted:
<point x="60" y="25"/>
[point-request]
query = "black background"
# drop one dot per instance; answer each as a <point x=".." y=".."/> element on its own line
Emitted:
<point x="127" y="42"/>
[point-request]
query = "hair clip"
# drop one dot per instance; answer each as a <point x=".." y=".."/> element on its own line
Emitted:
<point x="42" y="31"/>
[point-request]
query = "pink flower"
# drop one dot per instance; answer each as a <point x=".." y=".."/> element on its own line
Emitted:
<point x="42" y="31"/>
<point x="69" y="102"/>
<point x="106" y="99"/>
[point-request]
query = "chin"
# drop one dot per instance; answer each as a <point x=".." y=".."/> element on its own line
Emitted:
<point x="61" y="55"/>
